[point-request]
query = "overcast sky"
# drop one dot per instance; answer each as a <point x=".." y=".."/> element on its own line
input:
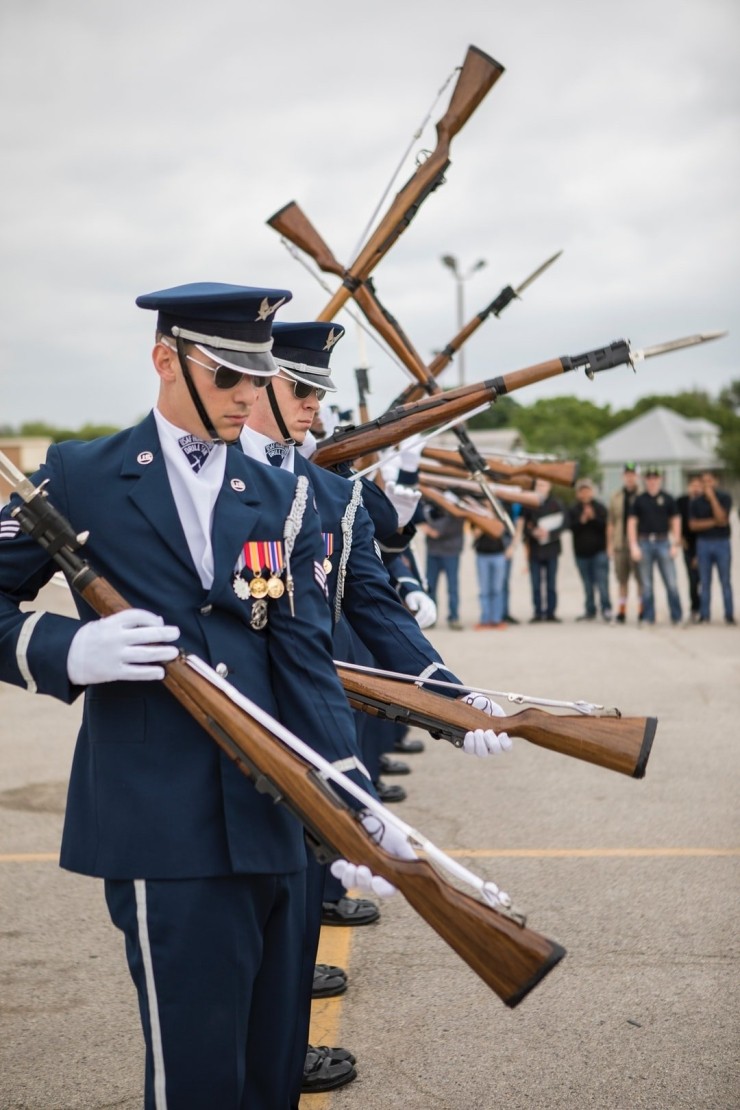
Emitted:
<point x="146" y="143"/>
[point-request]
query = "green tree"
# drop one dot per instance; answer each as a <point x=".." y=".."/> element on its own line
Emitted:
<point x="57" y="435"/>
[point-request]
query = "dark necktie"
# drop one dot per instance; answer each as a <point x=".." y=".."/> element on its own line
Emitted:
<point x="196" y="451"/>
<point x="276" y="452"/>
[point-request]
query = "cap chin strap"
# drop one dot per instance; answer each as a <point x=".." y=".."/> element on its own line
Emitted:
<point x="287" y="437"/>
<point x="195" y="396"/>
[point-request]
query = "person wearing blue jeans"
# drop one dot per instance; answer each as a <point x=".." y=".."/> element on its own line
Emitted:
<point x="654" y="533"/>
<point x="709" y="521"/>
<point x="444" y="535"/>
<point x="541" y="528"/>
<point x="587" y="522"/>
<point x="491" y="564"/>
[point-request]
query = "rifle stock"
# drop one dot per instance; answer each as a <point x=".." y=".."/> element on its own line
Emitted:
<point x="619" y="744"/>
<point x="509" y="957"/>
<point x="478" y="75"/>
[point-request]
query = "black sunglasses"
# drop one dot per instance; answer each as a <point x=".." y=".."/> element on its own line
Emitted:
<point x="302" y="390"/>
<point x="226" y="378"/>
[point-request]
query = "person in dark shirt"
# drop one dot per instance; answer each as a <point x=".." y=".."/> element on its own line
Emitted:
<point x="491" y="564"/>
<point x="709" y="520"/>
<point x="444" y="546"/>
<point x="541" y="528"/>
<point x="586" y="520"/>
<point x="654" y="533"/>
<point x="688" y="542"/>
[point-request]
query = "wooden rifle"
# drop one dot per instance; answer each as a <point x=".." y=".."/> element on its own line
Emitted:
<point x="614" y="742"/>
<point x="427" y="468"/>
<point x="509" y="957"/>
<point x="350" y="442"/>
<point x="560" y="473"/>
<point x="454" y="505"/>
<point x="295" y="226"/>
<point x="478" y="75"/>
<point x="511" y="494"/>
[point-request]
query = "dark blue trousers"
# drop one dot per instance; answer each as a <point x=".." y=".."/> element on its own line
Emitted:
<point x="217" y="968"/>
<point x="315" y="879"/>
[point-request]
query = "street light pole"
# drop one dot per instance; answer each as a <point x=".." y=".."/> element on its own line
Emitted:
<point x="450" y="261"/>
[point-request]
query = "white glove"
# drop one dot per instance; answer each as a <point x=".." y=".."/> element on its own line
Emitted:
<point x="123" y="648"/>
<point x="409" y="456"/>
<point x="358" y="876"/>
<point x="404" y="500"/>
<point x="423" y="608"/>
<point x="480" y="741"/>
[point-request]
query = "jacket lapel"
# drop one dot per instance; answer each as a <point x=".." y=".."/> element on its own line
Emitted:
<point x="236" y="517"/>
<point x="151" y="493"/>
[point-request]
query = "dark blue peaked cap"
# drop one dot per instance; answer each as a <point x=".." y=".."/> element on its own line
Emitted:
<point x="231" y="323"/>
<point x="304" y="350"/>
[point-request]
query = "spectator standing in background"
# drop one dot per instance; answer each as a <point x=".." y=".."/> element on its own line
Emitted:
<point x="617" y="544"/>
<point x="688" y="543"/>
<point x="510" y="546"/>
<point x="654" y="533"/>
<point x="709" y="520"/>
<point x="541" y="528"/>
<point x="444" y="535"/>
<point x="586" y="520"/>
<point x="490" y="564"/>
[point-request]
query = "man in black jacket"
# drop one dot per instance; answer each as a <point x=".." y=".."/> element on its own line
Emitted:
<point x="587" y="522"/>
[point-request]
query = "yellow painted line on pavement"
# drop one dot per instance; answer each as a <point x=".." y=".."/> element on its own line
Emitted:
<point x="29" y="857"/>
<point x="326" y="1013"/>
<point x="473" y="853"/>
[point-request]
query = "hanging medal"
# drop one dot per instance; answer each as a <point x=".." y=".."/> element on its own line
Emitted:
<point x="328" y="538"/>
<point x="258" y="619"/>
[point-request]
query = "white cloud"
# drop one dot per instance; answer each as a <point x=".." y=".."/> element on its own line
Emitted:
<point x="147" y="144"/>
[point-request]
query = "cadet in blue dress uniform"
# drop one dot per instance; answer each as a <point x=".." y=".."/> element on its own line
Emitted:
<point x="204" y="875"/>
<point x="359" y="586"/>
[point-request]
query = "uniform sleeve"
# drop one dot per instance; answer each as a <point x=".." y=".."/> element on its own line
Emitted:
<point x="378" y="616"/>
<point x="311" y="697"/>
<point x="33" y="644"/>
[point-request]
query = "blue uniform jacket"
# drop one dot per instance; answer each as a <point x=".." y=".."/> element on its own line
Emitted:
<point x="150" y="794"/>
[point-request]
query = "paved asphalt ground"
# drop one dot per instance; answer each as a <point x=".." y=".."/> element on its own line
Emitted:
<point x="637" y="879"/>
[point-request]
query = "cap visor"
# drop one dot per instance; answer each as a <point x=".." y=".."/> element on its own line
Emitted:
<point x="249" y="362"/>
<point x="320" y="379"/>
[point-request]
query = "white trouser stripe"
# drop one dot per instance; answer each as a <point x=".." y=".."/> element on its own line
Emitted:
<point x="21" y="651"/>
<point x="160" y="1093"/>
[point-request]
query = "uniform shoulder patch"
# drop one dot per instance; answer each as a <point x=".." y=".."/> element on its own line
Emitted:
<point x="9" y="529"/>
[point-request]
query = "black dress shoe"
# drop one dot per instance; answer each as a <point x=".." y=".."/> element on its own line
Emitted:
<point x="535" y="619"/>
<point x="322" y="1072"/>
<point x="393" y="766"/>
<point x="553" y="619"/>
<point x="335" y="1053"/>
<point x="328" y="981"/>
<point x="390" y="793"/>
<point x="349" y="911"/>
<point x="408" y="747"/>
